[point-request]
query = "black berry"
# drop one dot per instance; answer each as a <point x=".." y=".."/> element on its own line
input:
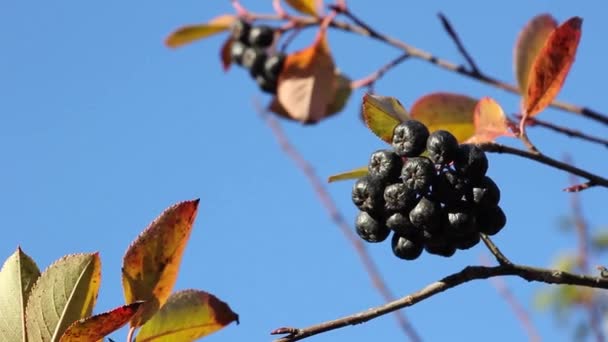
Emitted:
<point x="237" y="49"/>
<point x="418" y="173"/>
<point x="266" y="85"/>
<point x="439" y="245"/>
<point x="466" y="241"/>
<point x="240" y="31"/>
<point x="261" y="36"/>
<point x="404" y="248"/>
<point x="450" y="187"/>
<point x="253" y="60"/>
<point x="369" y="229"/>
<point x="409" y="138"/>
<point x="486" y="193"/>
<point x="426" y="215"/>
<point x="401" y="225"/>
<point x="472" y="162"/>
<point x="442" y="147"/>
<point x="490" y="220"/>
<point x="274" y="65"/>
<point x="386" y="165"/>
<point x="460" y="219"/>
<point x="398" y="197"/>
<point x="368" y="194"/>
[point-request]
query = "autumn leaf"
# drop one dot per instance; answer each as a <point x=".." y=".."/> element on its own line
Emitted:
<point x="490" y="121"/>
<point x="190" y="33"/>
<point x="551" y="66"/>
<point x="446" y="111"/>
<point x="352" y="174"/>
<point x="186" y="316"/>
<point x="225" y="55"/>
<point x="382" y="114"/>
<point x="63" y="294"/>
<point x="529" y="42"/>
<point x="96" y="327"/>
<point x="306" y="84"/>
<point x="18" y="275"/>
<point x="151" y="263"/>
<point x="306" y="6"/>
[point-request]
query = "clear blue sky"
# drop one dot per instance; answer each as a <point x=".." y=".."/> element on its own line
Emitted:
<point x="102" y="127"/>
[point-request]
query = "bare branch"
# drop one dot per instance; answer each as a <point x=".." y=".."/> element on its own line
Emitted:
<point x="501" y="258"/>
<point x="567" y="131"/>
<point x="447" y="26"/>
<point x="376" y="75"/>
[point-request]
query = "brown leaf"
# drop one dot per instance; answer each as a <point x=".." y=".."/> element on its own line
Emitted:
<point x="225" y="55"/>
<point x="97" y="327"/>
<point x="551" y="66"/>
<point x="189" y="33"/>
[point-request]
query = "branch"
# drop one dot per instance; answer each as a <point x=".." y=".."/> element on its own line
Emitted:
<point x="467" y="274"/>
<point x="501" y="258"/>
<point x="339" y="221"/>
<point x="447" y="26"/>
<point x="567" y="131"/>
<point x="541" y="158"/>
<point x="376" y="75"/>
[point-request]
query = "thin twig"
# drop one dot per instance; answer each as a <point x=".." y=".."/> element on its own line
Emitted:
<point x="501" y="258"/>
<point x="369" y="80"/>
<point x="467" y="274"/>
<point x="567" y="131"/>
<point x="447" y="26"/>
<point x="338" y="219"/>
<point x="541" y="158"/>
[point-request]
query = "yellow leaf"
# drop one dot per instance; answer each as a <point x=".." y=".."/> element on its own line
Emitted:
<point x="551" y="66"/>
<point x="381" y="114"/>
<point x="447" y="111"/>
<point x="529" y="42"/>
<point x="490" y="121"/>
<point x="306" y="6"/>
<point x="188" y="34"/>
<point x="188" y="315"/>
<point x="97" y="327"/>
<point x="352" y="174"/>
<point x="306" y="84"/>
<point x="151" y="263"/>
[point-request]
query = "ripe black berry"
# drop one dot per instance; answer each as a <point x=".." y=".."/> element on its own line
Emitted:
<point x="261" y="36"/>
<point x="266" y="85"/>
<point x="385" y="165"/>
<point x="397" y="197"/>
<point x="442" y="147"/>
<point x="401" y="225"/>
<point x="369" y="229"/>
<point x="490" y="220"/>
<point x="409" y="138"/>
<point x="439" y="245"/>
<point x="426" y="215"/>
<point x="368" y="194"/>
<point x="253" y="60"/>
<point x="450" y="187"/>
<point x="418" y="173"/>
<point x="466" y="241"/>
<point x="486" y="193"/>
<point x="460" y="219"/>
<point x="471" y="161"/>
<point x="404" y="248"/>
<point x="274" y="65"/>
<point x="240" y="30"/>
<point x="237" y="49"/>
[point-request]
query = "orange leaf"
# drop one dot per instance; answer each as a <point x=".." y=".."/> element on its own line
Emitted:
<point x="306" y="6"/>
<point x="447" y="111"/>
<point x="307" y="82"/>
<point x="97" y="327"/>
<point x="190" y="33"/>
<point x="151" y="263"/>
<point x="225" y="55"/>
<point x="529" y="42"/>
<point x="490" y="121"/>
<point x="551" y="66"/>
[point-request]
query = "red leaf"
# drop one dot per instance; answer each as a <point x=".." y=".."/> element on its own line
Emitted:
<point x="225" y="55"/>
<point x="489" y="121"/>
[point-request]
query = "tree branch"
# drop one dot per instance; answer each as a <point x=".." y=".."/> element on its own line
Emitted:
<point x="447" y="26"/>
<point x="368" y="81"/>
<point x="567" y="131"/>
<point x="501" y="258"/>
<point x="467" y="274"/>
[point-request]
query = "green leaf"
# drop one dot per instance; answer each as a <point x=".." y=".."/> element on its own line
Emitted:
<point x="186" y="316"/>
<point x="190" y="33"/>
<point x="97" y="327"/>
<point x="447" y="111"/>
<point x="352" y="174"/>
<point x="381" y="114"/>
<point x="64" y="293"/>
<point x="151" y="263"/>
<point x="18" y="275"/>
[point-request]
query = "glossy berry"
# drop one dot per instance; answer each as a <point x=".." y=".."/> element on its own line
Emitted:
<point x="486" y="193"/>
<point x="409" y="138"/>
<point x="266" y="85"/>
<point x="397" y="197"/>
<point x="369" y="229"/>
<point x="385" y="165"/>
<point x="400" y="224"/>
<point x="460" y="219"/>
<point x="261" y="36"/>
<point x="471" y="161"/>
<point x="274" y="65"/>
<point x="450" y="187"/>
<point x="418" y="173"/>
<point x="368" y="194"/>
<point x="253" y="60"/>
<point x="405" y="249"/>
<point x="442" y="147"/>
<point x="239" y="31"/>
<point x="490" y="220"/>
<point x="439" y="245"/>
<point x="427" y="215"/>
<point x="237" y="49"/>
<point x="466" y="241"/>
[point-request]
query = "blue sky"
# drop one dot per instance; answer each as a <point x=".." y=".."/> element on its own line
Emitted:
<point x="102" y="127"/>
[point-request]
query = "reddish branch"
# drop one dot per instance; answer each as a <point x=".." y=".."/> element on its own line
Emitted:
<point x="339" y="220"/>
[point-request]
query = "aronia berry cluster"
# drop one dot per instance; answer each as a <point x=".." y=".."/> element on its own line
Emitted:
<point x="439" y="200"/>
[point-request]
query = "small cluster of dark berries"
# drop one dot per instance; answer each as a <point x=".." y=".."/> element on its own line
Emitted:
<point x="439" y="202"/>
<point x="249" y="50"/>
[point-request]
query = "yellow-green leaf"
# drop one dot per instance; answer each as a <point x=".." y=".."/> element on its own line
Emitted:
<point x="529" y="42"/>
<point x="18" y="275"/>
<point x="96" y="327"/>
<point x="186" y="316"/>
<point x="381" y="114"/>
<point x="306" y="6"/>
<point x="446" y="111"/>
<point x="342" y="91"/>
<point x="151" y="263"/>
<point x="352" y="174"/>
<point x="64" y="293"/>
<point x="190" y="33"/>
